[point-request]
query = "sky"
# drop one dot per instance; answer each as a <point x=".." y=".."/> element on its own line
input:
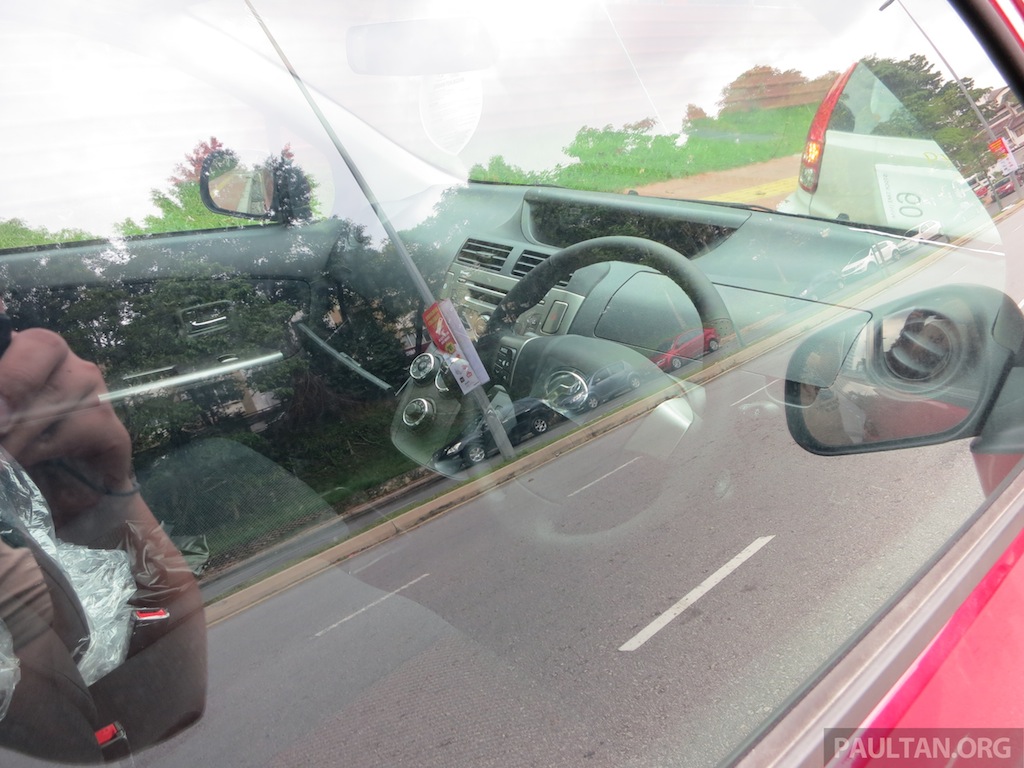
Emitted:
<point x="102" y="100"/>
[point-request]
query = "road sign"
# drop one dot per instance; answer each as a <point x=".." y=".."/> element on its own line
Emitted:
<point x="999" y="147"/>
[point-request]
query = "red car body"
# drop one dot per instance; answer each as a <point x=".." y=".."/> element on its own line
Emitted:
<point x="691" y="344"/>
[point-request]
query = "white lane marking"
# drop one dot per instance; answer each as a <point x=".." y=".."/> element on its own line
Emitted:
<point x="373" y="562"/>
<point x="747" y="397"/>
<point x="375" y="603"/>
<point x="694" y="595"/>
<point x="605" y="476"/>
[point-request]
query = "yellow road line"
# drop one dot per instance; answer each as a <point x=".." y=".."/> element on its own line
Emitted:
<point x="750" y="194"/>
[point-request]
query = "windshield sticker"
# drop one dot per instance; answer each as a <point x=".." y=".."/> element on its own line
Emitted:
<point x="450" y="337"/>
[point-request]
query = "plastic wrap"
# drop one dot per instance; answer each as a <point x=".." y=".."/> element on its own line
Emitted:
<point x="10" y="671"/>
<point x="102" y="578"/>
<point x="103" y="581"/>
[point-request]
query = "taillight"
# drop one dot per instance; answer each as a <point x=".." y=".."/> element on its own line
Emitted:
<point x="814" y="149"/>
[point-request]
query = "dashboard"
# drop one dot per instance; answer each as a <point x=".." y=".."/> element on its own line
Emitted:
<point x="768" y="268"/>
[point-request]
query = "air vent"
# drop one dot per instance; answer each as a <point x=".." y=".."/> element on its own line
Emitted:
<point x="527" y="261"/>
<point x="925" y="348"/>
<point x="484" y="255"/>
<point x="530" y="259"/>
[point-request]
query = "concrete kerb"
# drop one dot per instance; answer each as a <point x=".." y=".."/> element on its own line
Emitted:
<point x="246" y="597"/>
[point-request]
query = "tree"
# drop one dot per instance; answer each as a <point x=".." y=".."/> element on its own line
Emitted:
<point x="937" y="107"/>
<point x="15" y="233"/>
<point x="764" y="87"/>
<point x="693" y="112"/>
<point x="189" y="170"/>
<point x="498" y="170"/>
<point x="181" y="209"/>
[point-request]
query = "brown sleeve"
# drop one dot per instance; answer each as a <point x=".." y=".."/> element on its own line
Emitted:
<point x="24" y="599"/>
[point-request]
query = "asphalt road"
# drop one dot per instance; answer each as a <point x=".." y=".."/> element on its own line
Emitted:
<point x="645" y="600"/>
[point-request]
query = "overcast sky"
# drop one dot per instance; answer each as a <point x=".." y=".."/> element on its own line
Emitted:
<point x="101" y="100"/>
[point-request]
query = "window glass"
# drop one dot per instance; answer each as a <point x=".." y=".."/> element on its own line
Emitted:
<point x="510" y="383"/>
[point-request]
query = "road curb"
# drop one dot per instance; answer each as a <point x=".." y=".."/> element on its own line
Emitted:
<point x="245" y="598"/>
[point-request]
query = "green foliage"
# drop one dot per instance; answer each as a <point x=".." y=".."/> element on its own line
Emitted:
<point x="180" y="210"/>
<point x="305" y="418"/>
<point x="129" y="328"/>
<point x="14" y="233"/>
<point x="499" y="171"/>
<point x="939" y="108"/>
<point x="765" y="115"/>
<point x="324" y="428"/>
<point x="612" y="159"/>
<point x="238" y="499"/>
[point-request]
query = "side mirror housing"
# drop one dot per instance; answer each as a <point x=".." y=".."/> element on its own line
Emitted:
<point x="270" y="190"/>
<point x="921" y="370"/>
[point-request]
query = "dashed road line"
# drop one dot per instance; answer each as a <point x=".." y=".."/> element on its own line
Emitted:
<point x="365" y="608"/>
<point x="605" y="476"/>
<point x="694" y="595"/>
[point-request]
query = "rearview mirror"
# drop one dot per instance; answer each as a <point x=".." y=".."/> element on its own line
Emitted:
<point x="922" y="370"/>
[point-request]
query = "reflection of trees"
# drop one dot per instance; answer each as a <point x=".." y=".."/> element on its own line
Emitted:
<point x="293" y="188"/>
<point x="307" y="413"/>
<point x="563" y="225"/>
<point x="123" y="304"/>
<point x="136" y="332"/>
<point x="934" y="108"/>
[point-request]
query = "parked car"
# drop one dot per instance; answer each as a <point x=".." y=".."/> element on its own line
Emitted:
<point x="688" y="345"/>
<point x="522" y="419"/>
<point x="926" y="230"/>
<point x="1005" y="186"/>
<point x="573" y="392"/>
<point x="878" y="255"/>
<point x="262" y="260"/>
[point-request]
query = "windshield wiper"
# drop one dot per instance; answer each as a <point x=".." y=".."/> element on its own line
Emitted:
<point x="740" y="206"/>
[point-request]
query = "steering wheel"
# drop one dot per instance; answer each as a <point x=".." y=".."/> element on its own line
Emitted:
<point x="551" y="366"/>
<point x="634" y="250"/>
<point x="572" y="373"/>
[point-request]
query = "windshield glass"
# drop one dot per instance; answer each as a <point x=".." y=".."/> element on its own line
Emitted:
<point x="510" y="383"/>
<point x="648" y="98"/>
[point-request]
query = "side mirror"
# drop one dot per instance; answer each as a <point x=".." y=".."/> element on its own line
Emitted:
<point x="922" y="370"/>
<point x="272" y="190"/>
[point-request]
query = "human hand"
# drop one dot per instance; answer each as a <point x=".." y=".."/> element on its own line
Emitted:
<point x="54" y="422"/>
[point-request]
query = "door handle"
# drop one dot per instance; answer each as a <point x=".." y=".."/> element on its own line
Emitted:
<point x="205" y="318"/>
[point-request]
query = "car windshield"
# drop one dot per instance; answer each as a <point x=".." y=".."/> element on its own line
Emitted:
<point x="521" y="383"/>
